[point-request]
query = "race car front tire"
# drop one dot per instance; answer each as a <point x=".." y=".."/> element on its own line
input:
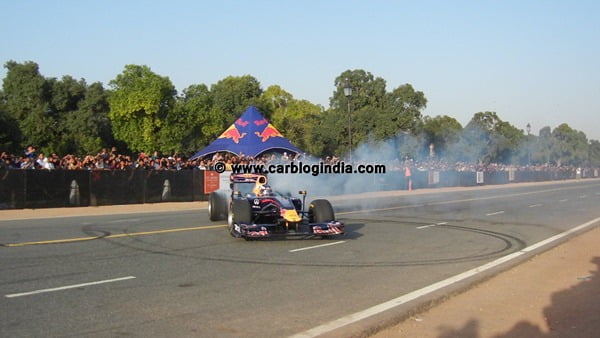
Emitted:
<point x="217" y="206"/>
<point x="240" y="213"/>
<point x="321" y="211"/>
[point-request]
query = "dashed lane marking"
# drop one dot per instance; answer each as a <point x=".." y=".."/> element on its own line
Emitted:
<point x="390" y="304"/>
<point x="431" y="225"/>
<point x="495" y="213"/>
<point x="316" y="246"/>
<point x="61" y="288"/>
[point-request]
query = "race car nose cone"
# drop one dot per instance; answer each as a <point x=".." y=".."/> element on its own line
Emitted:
<point x="290" y="215"/>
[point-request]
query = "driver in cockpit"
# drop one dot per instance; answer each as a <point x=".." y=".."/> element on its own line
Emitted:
<point x="265" y="190"/>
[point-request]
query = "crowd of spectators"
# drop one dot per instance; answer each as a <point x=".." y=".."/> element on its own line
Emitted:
<point x="112" y="160"/>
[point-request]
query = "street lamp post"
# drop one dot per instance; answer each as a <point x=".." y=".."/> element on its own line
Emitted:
<point x="528" y="126"/>
<point x="348" y="94"/>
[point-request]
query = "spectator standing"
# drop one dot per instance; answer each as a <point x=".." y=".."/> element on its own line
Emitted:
<point x="43" y="162"/>
<point x="408" y="177"/>
<point x="30" y="152"/>
<point x="26" y="162"/>
<point x="103" y="154"/>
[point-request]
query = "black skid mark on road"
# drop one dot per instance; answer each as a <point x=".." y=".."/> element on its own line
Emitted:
<point x="511" y="244"/>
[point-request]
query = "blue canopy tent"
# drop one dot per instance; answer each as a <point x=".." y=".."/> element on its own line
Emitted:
<point x="251" y="135"/>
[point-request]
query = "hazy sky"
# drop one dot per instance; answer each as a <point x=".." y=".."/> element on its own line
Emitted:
<point x="532" y="62"/>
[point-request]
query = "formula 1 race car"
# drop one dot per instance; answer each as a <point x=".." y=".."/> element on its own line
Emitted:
<point x="253" y="210"/>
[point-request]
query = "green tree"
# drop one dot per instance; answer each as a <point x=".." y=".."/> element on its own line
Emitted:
<point x="88" y="128"/>
<point x="375" y="114"/>
<point x="27" y="101"/>
<point x="326" y="135"/>
<point x="293" y="118"/>
<point x="404" y="106"/>
<point x="542" y="147"/>
<point x="570" y="146"/>
<point x="66" y="95"/>
<point x="506" y="141"/>
<point x="356" y="116"/>
<point x="9" y="129"/>
<point x="366" y="105"/>
<point x="193" y="123"/>
<point x="594" y="153"/>
<point x="233" y="95"/>
<point x="443" y="132"/>
<point x="488" y="139"/>
<point x="140" y="103"/>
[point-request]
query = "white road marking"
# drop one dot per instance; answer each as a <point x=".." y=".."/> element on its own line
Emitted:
<point x="125" y="220"/>
<point x="377" y="309"/>
<point x="68" y="287"/>
<point x="566" y="199"/>
<point x="454" y="201"/>
<point x="316" y="246"/>
<point x="495" y="213"/>
<point x="431" y="225"/>
<point x="583" y="196"/>
<point x="535" y="205"/>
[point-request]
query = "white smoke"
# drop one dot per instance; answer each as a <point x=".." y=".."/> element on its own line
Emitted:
<point x="391" y="153"/>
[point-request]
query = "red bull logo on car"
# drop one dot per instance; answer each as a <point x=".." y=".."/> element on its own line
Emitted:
<point x="233" y="133"/>
<point x="268" y="132"/>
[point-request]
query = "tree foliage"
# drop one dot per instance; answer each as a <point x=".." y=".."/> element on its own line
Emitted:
<point x="570" y="146"/>
<point x="234" y="94"/>
<point x="140" y="103"/>
<point x="27" y="102"/>
<point x="193" y="124"/>
<point x="141" y="111"/>
<point x="294" y="118"/>
<point x="9" y="128"/>
<point x="443" y="132"/>
<point x="372" y="113"/>
<point x="488" y="139"/>
<point x="88" y="126"/>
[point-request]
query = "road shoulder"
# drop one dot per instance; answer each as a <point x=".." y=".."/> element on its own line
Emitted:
<point x="553" y="294"/>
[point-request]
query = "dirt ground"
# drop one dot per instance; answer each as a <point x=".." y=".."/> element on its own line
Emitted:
<point x="554" y="294"/>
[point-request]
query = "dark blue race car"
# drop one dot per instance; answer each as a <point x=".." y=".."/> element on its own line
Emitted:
<point x="253" y="210"/>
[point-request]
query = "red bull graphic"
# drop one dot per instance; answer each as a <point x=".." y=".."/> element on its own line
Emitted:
<point x="233" y="133"/>
<point x="261" y="122"/>
<point x="250" y="134"/>
<point x="268" y="132"/>
<point x="241" y="122"/>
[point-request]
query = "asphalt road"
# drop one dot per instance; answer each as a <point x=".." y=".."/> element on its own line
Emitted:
<point x="178" y="274"/>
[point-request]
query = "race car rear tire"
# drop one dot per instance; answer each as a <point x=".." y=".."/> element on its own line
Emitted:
<point x="217" y="206"/>
<point x="321" y="211"/>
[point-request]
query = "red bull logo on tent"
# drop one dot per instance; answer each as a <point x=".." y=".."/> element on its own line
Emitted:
<point x="268" y="132"/>
<point x="240" y="122"/>
<point x="251" y="134"/>
<point x="233" y="133"/>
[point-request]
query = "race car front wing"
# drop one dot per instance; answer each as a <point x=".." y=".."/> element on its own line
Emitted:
<point x="262" y="230"/>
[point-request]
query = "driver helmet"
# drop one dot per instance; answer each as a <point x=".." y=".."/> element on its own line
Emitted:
<point x="266" y="190"/>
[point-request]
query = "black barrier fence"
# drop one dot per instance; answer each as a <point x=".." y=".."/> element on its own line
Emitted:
<point x="63" y="188"/>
